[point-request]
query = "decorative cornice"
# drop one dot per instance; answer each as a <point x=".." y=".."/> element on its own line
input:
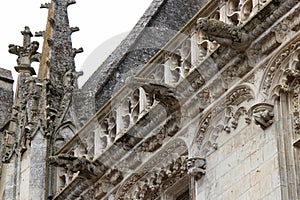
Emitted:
<point x="148" y="187"/>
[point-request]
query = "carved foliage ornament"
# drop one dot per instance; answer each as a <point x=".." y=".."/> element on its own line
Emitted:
<point x="234" y="98"/>
<point x="152" y="169"/>
<point x="262" y="114"/>
<point x="150" y="185"/>
<point x="26" y="53"/>
<point x="233" y="114"/>
<point x="26" y="117"/>
<point x="276" y="65"/>
<point x="287" y="78"/>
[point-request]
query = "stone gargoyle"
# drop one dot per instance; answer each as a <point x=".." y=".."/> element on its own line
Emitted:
<point x="77" y="164"/>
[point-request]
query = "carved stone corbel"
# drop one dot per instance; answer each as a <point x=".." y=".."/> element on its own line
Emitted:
<point x="262" y="114"/>
<point x="196" y="167"/>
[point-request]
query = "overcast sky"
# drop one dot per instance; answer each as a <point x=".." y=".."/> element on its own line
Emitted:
<point x="101" y="23"/>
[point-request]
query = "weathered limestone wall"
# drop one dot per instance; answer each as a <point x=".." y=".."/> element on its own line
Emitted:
<point x="25" y="174"/>
<point x="38" y="168"/>
<point x="83" y="105"/>
<point x="6" y="99"/>
<point x="6" y="95"/>
<point x="7" y="187"/>
<point x="245" y="166"/>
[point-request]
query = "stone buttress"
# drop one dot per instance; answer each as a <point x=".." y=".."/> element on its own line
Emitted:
<point x="42" y="117"/>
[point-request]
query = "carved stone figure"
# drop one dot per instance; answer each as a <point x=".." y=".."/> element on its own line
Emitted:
<point x="74" y="164"/>
<point x="224" y="34"/>
<point x="196" y="167"/>
<point x="263" y="115"/>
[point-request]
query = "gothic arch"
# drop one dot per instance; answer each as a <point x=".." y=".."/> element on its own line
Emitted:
<point x="216" y="120"/>
<point x="163" y="170"/>
<point x="280" y="70"/>
<point x="280" y="87"/>
<point x="63" y="134"/>
<point x="210" y="141"/>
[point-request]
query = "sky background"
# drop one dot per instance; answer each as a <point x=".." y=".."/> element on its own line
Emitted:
<point x="103" y="24"/>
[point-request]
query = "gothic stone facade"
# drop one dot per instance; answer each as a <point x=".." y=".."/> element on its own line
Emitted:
<point x="213" y="115"/>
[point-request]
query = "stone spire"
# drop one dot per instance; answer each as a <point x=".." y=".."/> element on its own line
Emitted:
<point x="40" y="106"/>
<point x="59" y="79"/>
<point x="57" y="65"/>
<point x="58" y="54"/>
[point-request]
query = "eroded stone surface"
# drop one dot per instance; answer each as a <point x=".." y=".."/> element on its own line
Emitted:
<point x="6" y="95"/>
<point x="215" y="117"/>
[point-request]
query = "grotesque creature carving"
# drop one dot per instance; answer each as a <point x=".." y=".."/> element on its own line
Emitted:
<point x="77" y="164"/>
<point x="263" y="115"/>
<point x="225" y="34"/>
<point x="196" y="167"/>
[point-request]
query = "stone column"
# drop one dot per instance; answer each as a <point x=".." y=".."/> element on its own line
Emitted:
<point x="223" y="11"/>
<point x="38" y="167"/>
<point x="195" y="52"/>
<point x="9" y="180"/>
<point x="196" y="169"/>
